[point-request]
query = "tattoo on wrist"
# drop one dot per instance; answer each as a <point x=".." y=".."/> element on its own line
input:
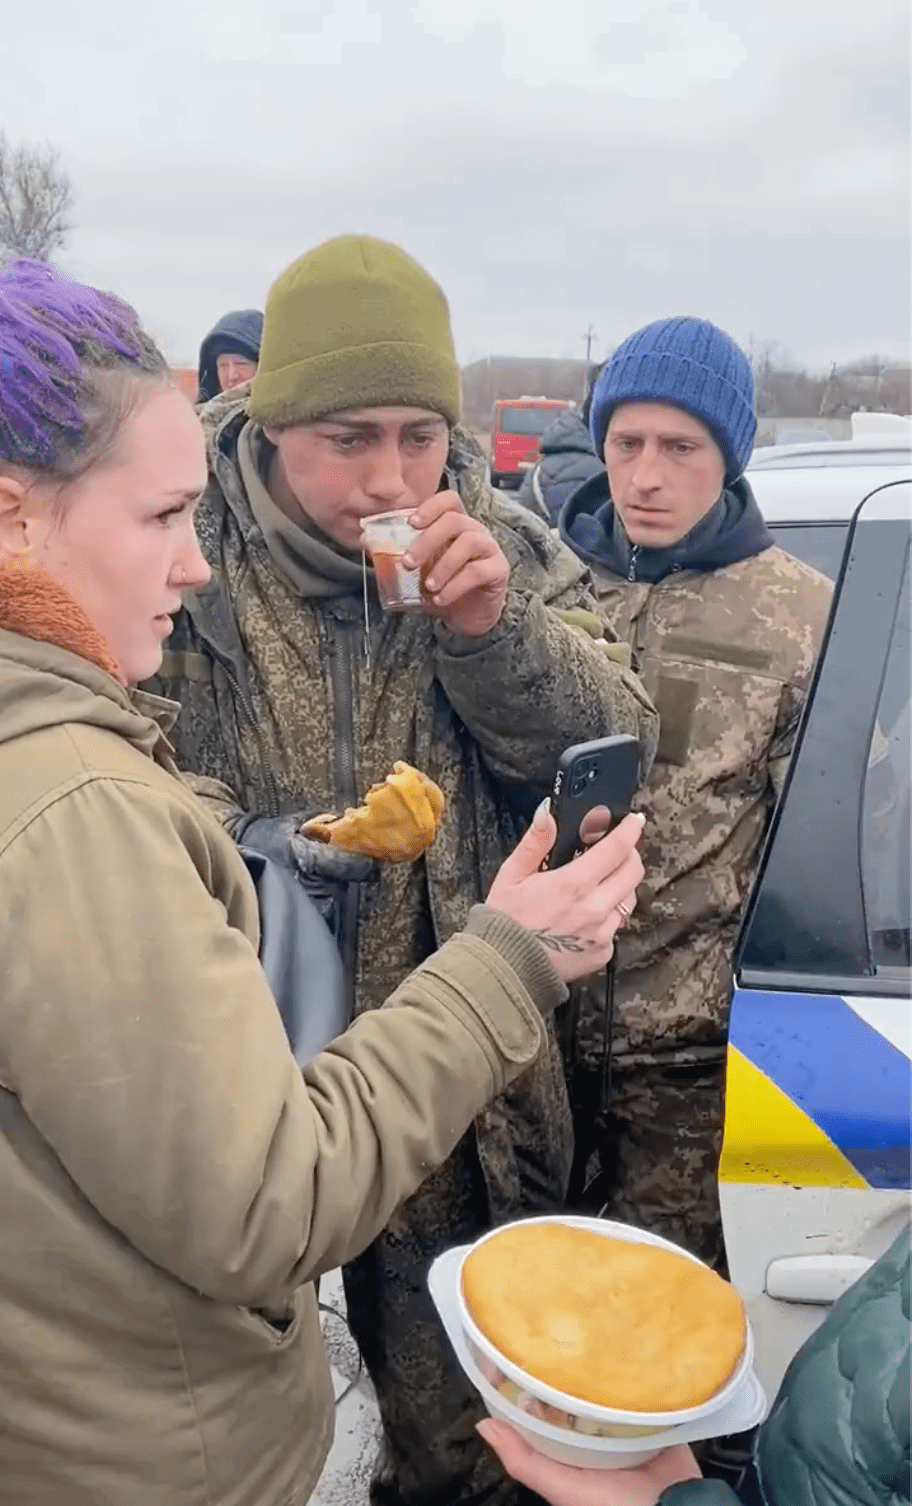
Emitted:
<point x="556" y="943"/>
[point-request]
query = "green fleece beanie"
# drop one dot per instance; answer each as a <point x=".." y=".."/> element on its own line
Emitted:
<point x="354" y="323"/>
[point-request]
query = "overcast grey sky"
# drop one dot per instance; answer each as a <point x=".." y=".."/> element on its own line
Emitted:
<point x="551" y="162"/>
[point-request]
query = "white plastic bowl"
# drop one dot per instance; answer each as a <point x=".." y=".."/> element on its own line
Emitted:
<point x="479" y="1346"/>
<point x="565" y="1446"/>
<point x="745" y="1407"/>
<point x="744" y="1410"/>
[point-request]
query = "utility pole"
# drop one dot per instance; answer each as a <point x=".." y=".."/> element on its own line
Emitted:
<point x="826" y="391"/>
<point x="589" y="336"/>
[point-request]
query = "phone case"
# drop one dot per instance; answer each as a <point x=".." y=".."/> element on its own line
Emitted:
<point x="592" y="778"/>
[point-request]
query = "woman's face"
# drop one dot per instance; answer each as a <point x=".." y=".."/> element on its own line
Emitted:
<point x="124" y="545"/>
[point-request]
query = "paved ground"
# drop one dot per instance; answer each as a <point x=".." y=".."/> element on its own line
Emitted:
<point x="345" y="1480"/>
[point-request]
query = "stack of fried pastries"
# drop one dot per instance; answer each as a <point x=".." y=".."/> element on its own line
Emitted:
<point x="624" y="1325"/>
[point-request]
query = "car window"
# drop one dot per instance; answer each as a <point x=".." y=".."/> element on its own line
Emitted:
<point x="820" y="545"/>
<point x="885" y="807"/>
<point x="831" y="903"/>
<point x="529" y="421"/>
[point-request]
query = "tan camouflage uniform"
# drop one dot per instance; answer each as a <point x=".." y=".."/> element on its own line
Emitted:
<point x="726" y="656"/>
<point x="282" y="704"/>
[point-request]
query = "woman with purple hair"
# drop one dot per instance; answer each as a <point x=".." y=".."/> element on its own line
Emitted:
<point x="171" y="1181"/>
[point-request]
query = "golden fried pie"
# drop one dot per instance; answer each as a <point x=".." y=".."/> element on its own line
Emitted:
<point x="397" y="822"/>
<point x="623" y="1325"/>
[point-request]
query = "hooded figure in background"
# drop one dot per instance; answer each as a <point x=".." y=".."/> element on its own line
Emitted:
<point x="568" y="459"/>
<point x="230" y="353"/>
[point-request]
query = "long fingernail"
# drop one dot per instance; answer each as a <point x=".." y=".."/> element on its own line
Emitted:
<point x="408" y="562"/>
<point x="540" y="819"/>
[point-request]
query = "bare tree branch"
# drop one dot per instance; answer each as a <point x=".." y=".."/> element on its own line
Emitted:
<point x="36" y="201"/>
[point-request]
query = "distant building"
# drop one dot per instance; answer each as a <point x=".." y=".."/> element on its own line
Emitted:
<point x="483" y="382"/>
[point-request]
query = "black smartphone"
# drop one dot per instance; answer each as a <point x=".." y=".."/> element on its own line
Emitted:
<point x="593" y="791"/>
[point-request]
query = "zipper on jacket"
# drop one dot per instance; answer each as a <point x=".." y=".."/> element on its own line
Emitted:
<point x="338" y="652"/>
<point x="336" y="638"/>
<point x="343" y="691"/>
<point x="638" y="633"/>
<point x="273" y="803"/>
<point x="632" y="567"/>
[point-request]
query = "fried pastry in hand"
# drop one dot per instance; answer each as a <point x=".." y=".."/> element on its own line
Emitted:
<point x="397" y="822"/>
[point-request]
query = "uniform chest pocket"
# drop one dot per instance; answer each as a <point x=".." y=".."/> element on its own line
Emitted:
<point x="718" y="700"/>
<point x="675" y="698"/>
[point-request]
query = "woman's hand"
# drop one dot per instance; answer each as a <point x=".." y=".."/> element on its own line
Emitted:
<point x="563" y="1485"/>
<point x="575" y="911"/>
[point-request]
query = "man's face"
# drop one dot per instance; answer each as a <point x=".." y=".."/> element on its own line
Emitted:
<point x="665" y="472"/>
<point x="233" y="371"/>
<point x="341" y="469"/>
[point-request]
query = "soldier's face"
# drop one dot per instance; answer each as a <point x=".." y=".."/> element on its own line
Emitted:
<point x="665" y="472"/>
<point x="342" y="469"/>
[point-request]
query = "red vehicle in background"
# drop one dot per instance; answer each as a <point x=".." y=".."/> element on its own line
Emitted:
<point x="519" y="423"/>
<point x="187" y="380"/>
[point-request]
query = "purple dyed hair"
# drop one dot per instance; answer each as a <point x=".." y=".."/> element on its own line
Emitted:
<point x="69" y="359"/>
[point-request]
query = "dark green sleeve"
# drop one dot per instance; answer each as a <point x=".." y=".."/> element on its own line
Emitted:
<point x="534" y="685"/>
<point x="699" y="1493"/>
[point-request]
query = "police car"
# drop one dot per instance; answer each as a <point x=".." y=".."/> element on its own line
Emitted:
<point x="815" y="1171"/>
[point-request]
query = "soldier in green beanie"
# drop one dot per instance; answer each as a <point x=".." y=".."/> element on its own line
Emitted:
<point x="298" y="692"/>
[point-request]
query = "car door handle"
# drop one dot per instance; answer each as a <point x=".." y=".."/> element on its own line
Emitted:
<point x="814" y="1278"/>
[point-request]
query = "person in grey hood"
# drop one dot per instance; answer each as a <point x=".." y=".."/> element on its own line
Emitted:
<point x="230" y="353"/>
<point x="567" y="461"/>
<point x="723" y="627"/>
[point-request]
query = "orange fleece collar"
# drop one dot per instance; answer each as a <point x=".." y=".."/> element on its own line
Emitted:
<point x="34" y="605"/>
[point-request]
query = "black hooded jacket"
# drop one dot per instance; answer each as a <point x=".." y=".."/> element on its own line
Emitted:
<point x="567" y="461"/>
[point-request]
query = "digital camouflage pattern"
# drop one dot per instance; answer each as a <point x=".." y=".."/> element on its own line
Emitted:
<point x="726" y="656"/>
<point x="651" y="1155"/>
<point x="282" y="703"/>
<point x="427" y="1405"/>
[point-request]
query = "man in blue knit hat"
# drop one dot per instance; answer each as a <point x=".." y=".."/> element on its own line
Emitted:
<point x="723" y="628"/>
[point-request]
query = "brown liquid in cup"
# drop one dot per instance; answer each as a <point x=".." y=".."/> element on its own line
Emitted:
<point x="400" y="590"/>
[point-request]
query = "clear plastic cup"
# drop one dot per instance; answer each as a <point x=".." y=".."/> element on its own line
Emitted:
<point x="386" y="537"/>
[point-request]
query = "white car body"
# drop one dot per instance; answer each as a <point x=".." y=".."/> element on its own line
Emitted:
<point x="824" y="481"/>
<point x="815" y="1171"/>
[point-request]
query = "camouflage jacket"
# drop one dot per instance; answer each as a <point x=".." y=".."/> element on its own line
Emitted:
<point x="282" y="702"/>
<point x="726" y="655"/>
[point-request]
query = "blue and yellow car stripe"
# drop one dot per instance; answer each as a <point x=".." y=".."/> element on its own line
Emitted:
<point x="816" y="1095"/>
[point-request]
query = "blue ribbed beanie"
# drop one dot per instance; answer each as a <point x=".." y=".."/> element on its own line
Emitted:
<point x="690" y="364"/>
